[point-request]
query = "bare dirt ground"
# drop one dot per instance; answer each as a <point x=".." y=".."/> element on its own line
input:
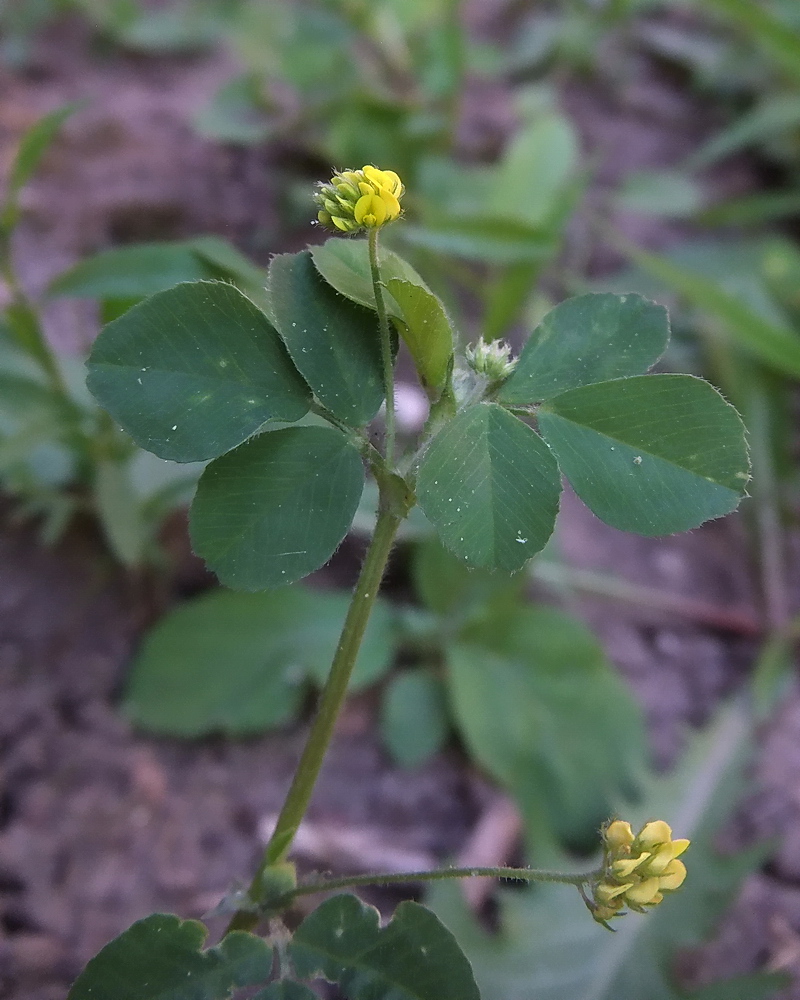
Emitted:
<point x="100" y="826"/>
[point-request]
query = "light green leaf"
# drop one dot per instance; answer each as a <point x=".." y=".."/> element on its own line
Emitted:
<point x="334" y="343"/>
<point x="414" y="719"/>
<point x="537" y="167"/>
<point x="542" y="709"/>
<point x="194" y="371"/>
<point x="443" y="583"/>
<point x="413" y="958"/>
<point x="159" y="958"/>
<point x="277" y="508"/>
<point x="587" y="339"/>
<point x="344" y="264"/>
<point x="238" y="663"/>
<point x="491" y="487"/>
<point x="771" y="342"/>
<point x="426" y="331"/>
<point x="120" y="512"/>
<point x="780" y="41"/>
<point x="542" y="930"/>
<point x="665" y="193"/>
<point x="33" y="146"/>
<point x="655" y="454"/>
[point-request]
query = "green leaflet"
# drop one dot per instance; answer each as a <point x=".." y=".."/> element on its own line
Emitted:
<point x="193" y="371"/>
<point x="654" y="454"/>
<point x="276" y="508"/>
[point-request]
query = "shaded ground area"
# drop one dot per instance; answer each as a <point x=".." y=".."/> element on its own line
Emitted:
<point x="99" y="826"/>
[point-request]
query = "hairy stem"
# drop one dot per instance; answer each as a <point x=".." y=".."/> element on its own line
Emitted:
<point x="330" y="703"/>
<point x="437" y="875"/>
<point x="386" y="346"/>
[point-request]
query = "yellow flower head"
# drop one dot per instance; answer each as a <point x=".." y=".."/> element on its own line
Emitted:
<point x="359" y="199"/>
<point x="637" y="870"/>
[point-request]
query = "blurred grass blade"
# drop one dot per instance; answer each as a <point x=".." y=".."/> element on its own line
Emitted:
<point x="776" y="38"/>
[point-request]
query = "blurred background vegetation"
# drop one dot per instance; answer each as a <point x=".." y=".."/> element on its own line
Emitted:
<point x="547" y="149"/>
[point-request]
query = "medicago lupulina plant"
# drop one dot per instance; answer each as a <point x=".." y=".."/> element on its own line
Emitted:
<point x="284" y="402"/>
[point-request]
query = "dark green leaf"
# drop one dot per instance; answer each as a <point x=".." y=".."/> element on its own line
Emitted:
<point x="334" y="342"/>
<point x="543" y="710"/>
<point x="414" y="720"/>
<point x="276" y="509"/>
<point x="194" y="371"/>
<point x="587" y="339"/>
<point x="344" y="264"/>
<point x="34" y="145"/>
<point x="159" y="958"/>
<point x="491" y="487"/>
<point x="654" y="454"/>
<point x="426" y="330"/>
<point x="413" y="958"/>
<point x="286" y="990"/>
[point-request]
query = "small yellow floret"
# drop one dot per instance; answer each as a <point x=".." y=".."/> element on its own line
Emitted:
<point x="359" y="199"/>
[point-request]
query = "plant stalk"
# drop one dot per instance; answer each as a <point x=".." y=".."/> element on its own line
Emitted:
<point x="437" y="875"/>
<point x="330" y="704"/>
<point x="386" y="346"/>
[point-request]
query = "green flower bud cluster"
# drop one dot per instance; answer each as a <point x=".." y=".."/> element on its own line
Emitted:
<point x="491" y="359"/>
<point x="359" y="199"/>
<point x="637" y="870"/>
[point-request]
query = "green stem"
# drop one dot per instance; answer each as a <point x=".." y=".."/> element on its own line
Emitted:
<point x="516" y="874"/>
<point x="330" y="703"/>
<point x="386" y="346"/>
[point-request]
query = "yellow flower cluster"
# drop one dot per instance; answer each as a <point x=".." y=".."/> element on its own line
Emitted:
<point x="637" y="870"/>
<point x="359" y="199"/>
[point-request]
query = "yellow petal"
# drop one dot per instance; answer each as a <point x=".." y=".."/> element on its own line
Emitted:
<point x="606" y="892"/>
<point x="370" y="205"/>
<point x="644" y="892"/>
<point x="679" y="846"/>
<point x="619" y="834"/>
<point x="395" y="184"/>
<point x="657" y="832"/>
<point x="673" y="876"/>
<point x="659" y="860"/>
<point x="622" y="869"/>
<point x="392" y="205"/>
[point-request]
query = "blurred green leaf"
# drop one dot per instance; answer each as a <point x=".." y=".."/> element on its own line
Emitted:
<point x="414" y="957"/>
<point x="237" y="113"/>
<point x="333" y="341"/>
<point x="446" y="585"/>
<point x="771" y="116"/>
<point x="237" y="663"/>
<point x="414" y="718"/>
<point x="772" y="342"/>
<point x="120" y="512"/>
<point x="483" y="239"/>
<point x="779" y="40"/>
<point x="277" y="507"/>
<point x="159" y="958"/>
<point x="587" y="339"/>
<point x="192" y="372"/>
<point x="654" y="454"/>
<point x="535" y="170"/>
<point x="33" y="146"/>
<point x="491" y="487"/>
<point x="665" y="193"/>
<point x="541" y="708"/>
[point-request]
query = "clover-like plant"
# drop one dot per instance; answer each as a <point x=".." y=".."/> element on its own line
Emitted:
<point x="285" y="404"/>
